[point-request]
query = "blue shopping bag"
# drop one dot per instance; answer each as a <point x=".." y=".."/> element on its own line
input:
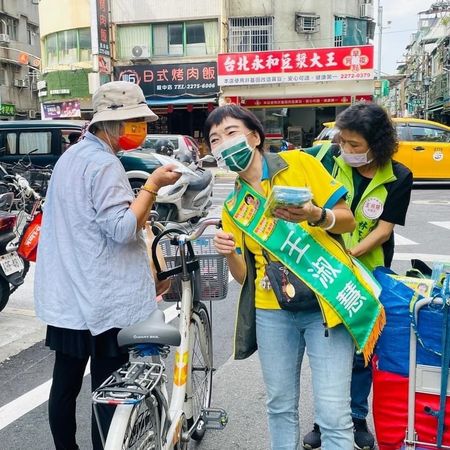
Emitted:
<point x="392" y="347"/>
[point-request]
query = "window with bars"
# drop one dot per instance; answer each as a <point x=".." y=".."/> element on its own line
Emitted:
<point x="350" y="31"/>
<point x="250" y="34"/>
<point x="32" y="32"/>
<point x="3" y="78"/>
<point x="340" y="30"/>
<point x="9" y="26"/>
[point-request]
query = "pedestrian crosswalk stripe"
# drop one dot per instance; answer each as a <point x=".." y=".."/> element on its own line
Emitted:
<point x="442" y="224"/>
<point x="400" y="240"/>
<point x="428" y="257"/>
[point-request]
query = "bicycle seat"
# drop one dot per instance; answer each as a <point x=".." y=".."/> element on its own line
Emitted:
<point x="153" y="330"/>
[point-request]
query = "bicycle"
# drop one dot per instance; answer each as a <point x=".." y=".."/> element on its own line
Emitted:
<point x="143" y="418"/>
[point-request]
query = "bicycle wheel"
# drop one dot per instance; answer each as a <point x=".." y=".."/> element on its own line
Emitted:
<point x="134" y="427"/>
<point x="201" y="368"/>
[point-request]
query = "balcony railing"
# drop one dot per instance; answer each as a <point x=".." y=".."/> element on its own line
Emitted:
<point x="439" y="89"/>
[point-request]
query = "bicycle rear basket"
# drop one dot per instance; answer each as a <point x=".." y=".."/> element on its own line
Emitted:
<point x="213" y="270"/>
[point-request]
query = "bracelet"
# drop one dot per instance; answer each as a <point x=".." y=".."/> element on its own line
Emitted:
<point x="322" y="219"/>
<point x="148" y="189"/>
<point x="333" y="220"/>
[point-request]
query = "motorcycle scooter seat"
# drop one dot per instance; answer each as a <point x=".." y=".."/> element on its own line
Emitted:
<point x="201" y="182"/>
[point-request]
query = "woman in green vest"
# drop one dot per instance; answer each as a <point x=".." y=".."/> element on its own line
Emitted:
<point x="379" y="191"/>
<point x="342" y="311"/>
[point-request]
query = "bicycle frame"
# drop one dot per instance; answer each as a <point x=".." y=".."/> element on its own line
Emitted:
<point x="180" y="403"/>
<point x="173" y="417"/>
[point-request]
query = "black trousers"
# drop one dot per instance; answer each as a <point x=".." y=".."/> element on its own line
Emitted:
<point x="67" y="380"/>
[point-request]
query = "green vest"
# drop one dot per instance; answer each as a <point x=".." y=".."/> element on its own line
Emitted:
<point x="368" y="210"/>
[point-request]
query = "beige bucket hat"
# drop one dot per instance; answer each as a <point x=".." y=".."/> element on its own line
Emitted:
<point x="120" y="100"/>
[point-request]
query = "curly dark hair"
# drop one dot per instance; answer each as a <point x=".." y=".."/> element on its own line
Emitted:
<point x="373" y="123"/>
<point x="217" y="116"/>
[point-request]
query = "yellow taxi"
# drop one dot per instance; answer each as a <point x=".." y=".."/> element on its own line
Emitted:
<point x="424" y="147"/>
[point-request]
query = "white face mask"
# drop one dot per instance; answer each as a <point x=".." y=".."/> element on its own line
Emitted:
<point x="234" y="154"/>
<point x="355" y="159"/>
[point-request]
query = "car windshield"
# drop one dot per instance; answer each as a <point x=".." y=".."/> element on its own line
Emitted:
<point x="327" y="134"/>
<point x="150" y="142"/>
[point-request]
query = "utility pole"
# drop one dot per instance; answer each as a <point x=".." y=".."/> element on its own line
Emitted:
<point x="380" y="36"/>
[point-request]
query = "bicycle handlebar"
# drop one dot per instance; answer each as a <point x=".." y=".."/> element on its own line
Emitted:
<point x="200" y="229"/>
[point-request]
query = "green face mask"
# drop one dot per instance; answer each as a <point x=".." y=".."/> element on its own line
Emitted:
<point x="236" y="154"/>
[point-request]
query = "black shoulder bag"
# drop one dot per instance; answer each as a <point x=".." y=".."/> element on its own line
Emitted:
<point x="291" y="292"/>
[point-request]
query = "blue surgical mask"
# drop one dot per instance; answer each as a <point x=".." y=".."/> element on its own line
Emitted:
<point x="235" y="154"/>
<point x="355" y="159"/>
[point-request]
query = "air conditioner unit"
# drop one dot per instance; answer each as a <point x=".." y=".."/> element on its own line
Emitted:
<point x="4" y="38"/>
<point x="366" y="11"/>
<point x="32" y="114"/>
<point x="41" y="84"/>
<point x="140" y="52"/>
<point x="20" y="83"/>
<point x="307" y="23"/>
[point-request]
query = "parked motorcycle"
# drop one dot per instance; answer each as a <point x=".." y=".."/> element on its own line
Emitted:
<point x="12" y="266"/>
<point x="20" y="218"/>
<point x="189" y="199"/>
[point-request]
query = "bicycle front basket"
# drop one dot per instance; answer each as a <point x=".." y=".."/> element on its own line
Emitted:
<point x="213" y="270"/>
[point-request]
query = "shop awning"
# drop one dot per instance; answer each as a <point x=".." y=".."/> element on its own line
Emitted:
<point x="435" y="108"/>
<point x="179" y="100"/>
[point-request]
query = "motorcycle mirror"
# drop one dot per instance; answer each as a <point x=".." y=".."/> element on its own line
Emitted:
<point x="6" y="200"/>
<point x="208" y="159"/>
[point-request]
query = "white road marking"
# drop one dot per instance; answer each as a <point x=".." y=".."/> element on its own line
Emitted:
<point x="22" y="405"/>
<point x="27" y="402"/>
<point x="431" y="202"/>
<point x="400" y="240"/>
<point x="442" y="224"/>
<point x="423" y="256"/>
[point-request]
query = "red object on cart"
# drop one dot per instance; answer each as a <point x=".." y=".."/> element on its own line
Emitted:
<point x="390" y="412"/>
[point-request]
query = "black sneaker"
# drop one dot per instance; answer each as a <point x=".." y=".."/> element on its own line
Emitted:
<point x="364" y="439"/>
<point x="311" y="440"/>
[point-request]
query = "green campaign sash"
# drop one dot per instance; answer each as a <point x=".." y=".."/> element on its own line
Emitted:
<point x="332" y="279"/>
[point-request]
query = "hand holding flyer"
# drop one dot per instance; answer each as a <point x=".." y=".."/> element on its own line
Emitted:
<point x="181" y="168"/>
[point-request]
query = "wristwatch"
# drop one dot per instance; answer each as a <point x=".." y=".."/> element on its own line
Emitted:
<point x="322" y="219"/>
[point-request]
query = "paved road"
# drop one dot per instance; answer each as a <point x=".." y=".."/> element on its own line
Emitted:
<point x="25" y="367"/>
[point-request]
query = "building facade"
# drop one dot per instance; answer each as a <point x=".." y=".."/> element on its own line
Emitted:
<point x="19" y="59"/>
<point x="426" y="67"/>
<point x="178" y="51"/>
<point x="284" y="60"/>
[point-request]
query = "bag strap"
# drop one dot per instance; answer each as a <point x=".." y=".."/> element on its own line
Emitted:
<point x="266" y="254"/>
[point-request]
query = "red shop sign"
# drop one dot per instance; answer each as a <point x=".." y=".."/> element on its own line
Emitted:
<point x="293" y="66"/>
<point x="278" y="102"/>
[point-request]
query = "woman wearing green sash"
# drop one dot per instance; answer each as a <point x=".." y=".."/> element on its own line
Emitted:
<point x="379" y="191"/>
<point x="344" y="312"/>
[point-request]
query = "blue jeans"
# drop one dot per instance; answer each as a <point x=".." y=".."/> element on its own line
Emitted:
<point x="282" y="338"/>
<point x="360" y="387"/>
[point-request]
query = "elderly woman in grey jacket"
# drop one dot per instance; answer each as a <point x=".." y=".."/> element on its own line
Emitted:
<point x="92" y="273"/>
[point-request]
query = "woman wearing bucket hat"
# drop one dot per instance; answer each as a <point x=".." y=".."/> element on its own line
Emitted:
<point x="92" y="272"/>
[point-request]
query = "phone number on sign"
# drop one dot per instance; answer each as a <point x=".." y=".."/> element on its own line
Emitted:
<point x="195" y="86"/>
<point x="355" y="76"/>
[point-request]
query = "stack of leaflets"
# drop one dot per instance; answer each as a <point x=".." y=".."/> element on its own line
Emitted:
<point x="440" y="269"/>
<point x="423" y="286"/>
<point x="285" y="197"/>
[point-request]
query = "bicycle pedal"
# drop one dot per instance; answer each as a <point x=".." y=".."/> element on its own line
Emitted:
<point x="215" y="418"/>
